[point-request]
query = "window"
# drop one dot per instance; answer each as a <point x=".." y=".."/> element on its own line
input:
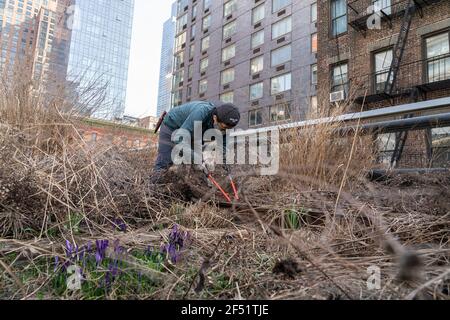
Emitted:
<point x="227" y="97"/>
<point x="280" y="84"/>
<point x="190" y="71"/>
<point x="383" y="62"/>
<point x="282" y="27"/>
<point x="205" y="43"/>
<point x="179" y="59"/>
<point x="256" y="64"/>
<point x="438" y="57"/>
<point x="257" y="39"/>
<point x="339" y="78"/>
<point x="206" y="4"/>
<point x="314" y="43"/>
<point x="181" y="23"/>
<point x="280" y="112"/>
<point x="256" y="91"/>
<point x="181" y="5"/>
<point x="189" y="91"/>
<point x="204" y="64"/>
<point x="258" y="14"/>
<point x="228" y="53"/>
<point x="191" y="51"/>
<point x="194" y="11"/>
<point x="279" y="4"/>
<point x="229" y="7"/>
<point x="180" y="41"/>
<point x="314" y="74"/>
<point x="177" y="97"/>
<point x="203" y="86"/>
<point x="193" y="33"/>
<point x="206" y="23"/>
<point x="227" y="76"/>
<point x="440" y="138"/>
<point x="255" y="118"/>
<point x="281" y="55"/>
<point x="178" y="78"/>
<point x="314" y="12"/>
<point x="384" y="5"/>
<point x="386" y="147"/>
<point x="338" y="17"/>
<point x="229" y="30"/>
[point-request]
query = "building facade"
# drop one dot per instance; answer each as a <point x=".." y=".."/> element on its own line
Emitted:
<point x="382" y="53"/>
<point x="35" y="39"/>
<point x="165" y="73"/>
<point x="121" y="135"/>
<point x="260" y="55"/>
<point x="100" y="50"/>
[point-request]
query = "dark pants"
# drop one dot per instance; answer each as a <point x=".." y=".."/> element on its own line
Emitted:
<point x="164" y="160"/>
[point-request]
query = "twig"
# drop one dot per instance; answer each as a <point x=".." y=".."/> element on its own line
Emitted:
<point x="16" y="280"/>
<point x="206" y="262"/>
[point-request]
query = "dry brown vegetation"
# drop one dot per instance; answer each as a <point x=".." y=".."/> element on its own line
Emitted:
<point x="311" y="232"/>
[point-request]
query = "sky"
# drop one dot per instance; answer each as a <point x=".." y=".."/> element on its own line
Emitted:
<point x="145" y="56"/>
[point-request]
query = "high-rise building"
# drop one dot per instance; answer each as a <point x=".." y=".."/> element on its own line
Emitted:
<point x="165" y="73"/>
<point x="99" y="51"/>
<point x="35" y="38"/>
<point x="260" y="55"/>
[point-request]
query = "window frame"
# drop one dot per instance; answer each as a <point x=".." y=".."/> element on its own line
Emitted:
<point x="281" y="7"/>
<point x="376" y="73"/>
<point x="256" y="112"/>
<point x="279" y="22"/>
<point x="278" y="49"/>
<point x="261" y="83"/>
<point x="260" y="58"/>
<point x="426" y="60"/>
<point x="287" y="108"/>
<point x="252" y="37"/>
<point x="346" y="85"/>
<point x="278" y="77"/>
<point x="254" y="10"/>
<point x="332" y="35"/>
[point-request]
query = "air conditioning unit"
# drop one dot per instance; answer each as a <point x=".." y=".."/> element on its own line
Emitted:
<point x="337" y="96"/>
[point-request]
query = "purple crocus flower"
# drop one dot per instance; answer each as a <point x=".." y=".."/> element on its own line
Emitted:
<point x="100" y="253"/>
<point x="69" y="249"/>
<point x="120" y="224"/>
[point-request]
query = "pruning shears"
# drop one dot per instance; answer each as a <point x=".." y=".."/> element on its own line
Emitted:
<point x="218" y="186"/>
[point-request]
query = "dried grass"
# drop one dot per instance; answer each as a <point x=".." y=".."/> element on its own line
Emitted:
<point x="55" y="187"/>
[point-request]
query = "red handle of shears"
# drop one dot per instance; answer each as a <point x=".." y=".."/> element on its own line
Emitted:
<point x="220" y="188"/>
<point x="236" y="194"/>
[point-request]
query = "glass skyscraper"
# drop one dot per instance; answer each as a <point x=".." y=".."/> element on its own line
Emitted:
<point x="100" y="50"/>
<point x="165" y="72"/>
<point x="34" y="41"/>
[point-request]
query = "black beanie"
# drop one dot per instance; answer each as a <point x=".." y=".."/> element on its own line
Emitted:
<point x="228" y="114"/>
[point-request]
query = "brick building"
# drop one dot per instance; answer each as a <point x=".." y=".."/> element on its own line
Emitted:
<point x="360" y="42"/>
<point x="258" y="54"/>
<point x="125" y="136"/>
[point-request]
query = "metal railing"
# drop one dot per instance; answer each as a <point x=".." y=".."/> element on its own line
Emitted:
<point x="360" y="9"/>
<point x="428" y="74"/>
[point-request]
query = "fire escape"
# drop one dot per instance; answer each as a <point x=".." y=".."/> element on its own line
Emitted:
<point x="406" y="10"/>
